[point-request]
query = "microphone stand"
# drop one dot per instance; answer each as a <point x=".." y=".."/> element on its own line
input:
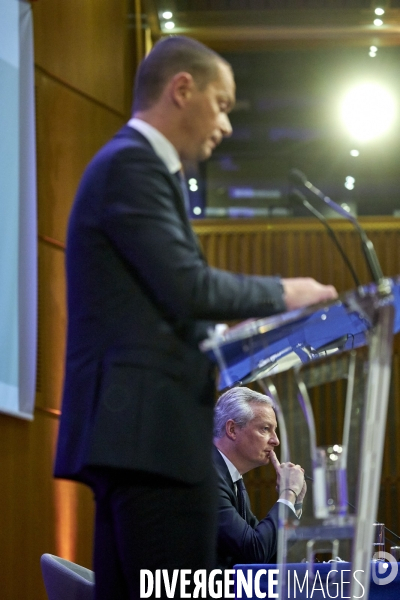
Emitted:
<point x="367" y="246"/>
<point x="296" y="195"/>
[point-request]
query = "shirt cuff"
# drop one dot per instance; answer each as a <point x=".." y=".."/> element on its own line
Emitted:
<point x="288" y="503"/>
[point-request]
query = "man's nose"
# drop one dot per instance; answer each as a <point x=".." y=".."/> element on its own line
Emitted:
<point x="225" y="126"/>
<point x="275" y="441"/>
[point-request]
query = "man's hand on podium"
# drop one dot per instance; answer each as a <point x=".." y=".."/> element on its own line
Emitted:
<point x="303" y="291"/>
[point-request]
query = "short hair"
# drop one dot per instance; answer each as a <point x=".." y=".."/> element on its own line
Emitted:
<point x="169" y="56"/>
<point x="236" y="404"/>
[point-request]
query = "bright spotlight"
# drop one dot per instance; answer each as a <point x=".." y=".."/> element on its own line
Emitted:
<point x="197" y="210"/>
<point x="379" y="12"/>
<point x="378" y="22"/>
<point x="372" y="54"/>
<point x="168" y="14"/>
<point x="354" y="152"/>
<point x="373" y="49"/>
<point x="368" y="111"/>
<point x="169" y="25"/>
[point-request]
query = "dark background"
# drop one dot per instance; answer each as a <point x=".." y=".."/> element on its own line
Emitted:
<point x="287" y="116"/>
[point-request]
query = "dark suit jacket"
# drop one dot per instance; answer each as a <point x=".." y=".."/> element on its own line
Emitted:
<point x="138" y="393"/>
<point x="243" y="541"/>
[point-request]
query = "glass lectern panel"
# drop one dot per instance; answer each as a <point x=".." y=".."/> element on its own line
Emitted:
<point x="328" y="362"/>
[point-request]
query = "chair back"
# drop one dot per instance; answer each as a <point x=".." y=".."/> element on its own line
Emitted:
<point x="65" y="580"/>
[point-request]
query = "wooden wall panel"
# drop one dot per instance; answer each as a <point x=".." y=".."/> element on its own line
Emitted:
<point x="298" y="247"/>
<point x="52" y="326"/>
<point x="70" y="129"/>
<point x="84" y="45"/>
<point x="35" y="516"/>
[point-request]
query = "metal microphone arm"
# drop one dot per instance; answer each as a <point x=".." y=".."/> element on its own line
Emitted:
<point x="368" y="249"/>
<point x="303" y="200"/>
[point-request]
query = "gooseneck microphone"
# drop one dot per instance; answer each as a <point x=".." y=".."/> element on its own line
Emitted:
<point x="299" y="197"/>
<point x="298" y="178"/>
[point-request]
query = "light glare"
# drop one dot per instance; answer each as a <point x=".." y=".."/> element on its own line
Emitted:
<point x="169" y="25"/>
<point x="373" y="49"/>
<point x="168" y="14"/>
<point x="354" y="152"/>
<point x="378" y="22"/>
<point x="197" y="210"/>
<point x="379" y="12"/>
<point x="368" y="111"/>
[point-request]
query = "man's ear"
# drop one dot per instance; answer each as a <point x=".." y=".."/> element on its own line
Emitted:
<point x="181" y="88"/>
<point x="230" y="429"/>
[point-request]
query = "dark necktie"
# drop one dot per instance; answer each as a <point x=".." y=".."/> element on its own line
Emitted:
<point x="242" y="497"/>
<point x="185" y="192"/>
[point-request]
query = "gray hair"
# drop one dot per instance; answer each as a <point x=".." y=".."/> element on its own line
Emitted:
<point x="236" y="404"/>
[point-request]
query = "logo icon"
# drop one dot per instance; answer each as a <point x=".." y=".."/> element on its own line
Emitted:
<point x="384" y="572"/>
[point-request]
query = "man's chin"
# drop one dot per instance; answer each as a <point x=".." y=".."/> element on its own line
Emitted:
<point x="204" y="154"/>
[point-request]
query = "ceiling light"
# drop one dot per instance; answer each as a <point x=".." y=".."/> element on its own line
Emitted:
<point x="378" y="22"/>
<point x="168" y="14"/>
<point x="373" y="49"/>
<point x="379" y="12"/>
<point x="354" y="152"/>
<point x="368" y="110"/>
<point x="372" y="54"/>
<point x="169" y="25"/>
<point x="197" y="210"/>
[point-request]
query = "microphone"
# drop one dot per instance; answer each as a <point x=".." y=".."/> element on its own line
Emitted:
<point x="298" y="178"/>
<point x="299" y="197"/>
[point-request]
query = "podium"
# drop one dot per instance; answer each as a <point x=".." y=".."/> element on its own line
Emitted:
<point x="329" y="363"/>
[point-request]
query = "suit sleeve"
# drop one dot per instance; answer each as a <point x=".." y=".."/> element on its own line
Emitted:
<point x="253" y="542"/>
<point x="139" y="216"/>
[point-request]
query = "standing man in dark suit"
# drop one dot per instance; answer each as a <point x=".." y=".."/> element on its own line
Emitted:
<point x="137" y="407"/>
<point x="245" y="438"/>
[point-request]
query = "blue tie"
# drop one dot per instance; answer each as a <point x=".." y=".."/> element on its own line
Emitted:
<point x="182" y="182"/>
<point x="242" y="497"/>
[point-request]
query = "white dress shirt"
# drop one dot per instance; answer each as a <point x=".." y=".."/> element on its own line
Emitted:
<point x="161" y="146"/>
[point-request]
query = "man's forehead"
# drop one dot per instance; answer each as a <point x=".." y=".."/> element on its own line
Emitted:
<point x="264" y="412"/>
<point x="226" y="80"/>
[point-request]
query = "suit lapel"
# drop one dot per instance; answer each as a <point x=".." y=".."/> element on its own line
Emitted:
<point x="224" y="472"/>
<point x="175" y="185"/>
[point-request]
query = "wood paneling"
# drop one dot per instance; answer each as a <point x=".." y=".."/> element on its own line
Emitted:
<point x="83" y="45"/>
<point x="52" y="326"/>
<point x="36" y="514"/>
<point x="298" y="247"/>
<point x="70" y="129"/>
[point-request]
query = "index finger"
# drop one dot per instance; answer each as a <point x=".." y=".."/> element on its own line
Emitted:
<point x="274" y="460"/>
